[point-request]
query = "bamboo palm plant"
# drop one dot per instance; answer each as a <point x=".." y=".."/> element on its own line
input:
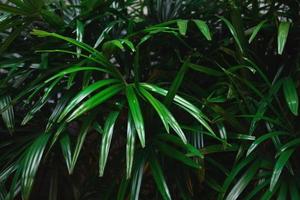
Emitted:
<point x="104" y="99"/>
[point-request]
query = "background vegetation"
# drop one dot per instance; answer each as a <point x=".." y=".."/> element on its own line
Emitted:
<point x="149" y="99"/>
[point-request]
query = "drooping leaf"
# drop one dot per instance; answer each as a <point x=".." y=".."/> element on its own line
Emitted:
<point x="279" y="166"/>
<point x="263" y="138"/>
<point x="164" y="114"/>
<point x="242" y="183"/>
<point x="182" y="26"/>
<point x="136" y="113"/>
<point x="106" y="140"/>
<point x="283" y="31"/>
<point x="83" y="94"/>
<point x="184" y="104"/>
<point x="202" y="26"/>
<point x="65" y="145"/>
<point x="137" y="179"/>
<point x="159" y="179"/>
<point x="233" y="32"/>
<point x="175" y="154"/>
<point x="176" y="84"/>
<point x="79" y="35"/>
<point x="7" y="112"/>
<point x="87" y="123"/>
<point x="130" y="146"/>
<point x="290" y="94"/>
<point x="256" y="30"/>
<point x="31" y="162"/>
<point x="95" y="101"/>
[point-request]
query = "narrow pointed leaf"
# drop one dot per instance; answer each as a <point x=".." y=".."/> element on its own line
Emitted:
<point x="159" y="179"/>
<point x="283" y="31"/>
<point x="202" y="26"/>
<point x="177" y="155"/>
<point x="31" y="162"/>
<point x="137" y="179"/>
<point x="74" y="69"/>
<point x="136" y="113"/>
<point x="242" y="183"/>
<point x="130" y="146"/>
<point x="182" y="26"/>
<point x="66" y="150"/>
<point x="256" y="30"/>
<point x="87" y="123"/>
<point x="164" y="114"/>
<point x="7" y="112"/>
<point x="263" y="138"/>
<point x="83" y="94"/>
<point x="290" y="94"/>
<point x="106" y="140"/>
<point x="184" y="104"/>
<point x="95" y="101"/>
<point x="233" y="33"/>
<point x="279" y="166"/>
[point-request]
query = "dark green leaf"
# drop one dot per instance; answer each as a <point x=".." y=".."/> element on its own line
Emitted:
<point x="159" y="179"/>
<point x="136" y="113"/>
<point x="202" y="26"/>
<point x="283" y="31"/>
<point x="279" y="166"/>
<point x="106" y="140"/>
<point x="290" y="94"/>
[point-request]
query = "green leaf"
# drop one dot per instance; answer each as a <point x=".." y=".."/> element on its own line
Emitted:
<point x="61" y="104"/>
<point x="182" y="26"/>
<point x="95" y="101"/>
<point x="233" y="173"/>
<point x="79" y="35"/>
<point x="192" y="151"/>
<point x="256" y="30"/>
<point x="184" y="104"/>
<point x="106" y="140"/>
<point x="136" y="113"/>
<point x="242" y="183"/>
<point x="177" y="155"/>
<point x="73" y="69"/>
<point x="263" y="138"/>
<point x="280" y="163"/>
<point x="31" y="162"/>
<point x="87" y="123"/>
<point x="206" y="70"/>
<point x="293" y="143"/>
<point x="83" y="94"/>
<point x="233" y="32"/>
<point x="137" y="178"/>
<point x="202" y="26"/>
<point x="159" y="179"/>
<point x="283" y="31"/>
<point x="290" y="94"/>
<point x="105" y="32"/>
<point x="165" y="115"/>
<point x="100" y="57"/>
<point x="66" y="150"/>
<point x="7" y="112"/>
<point x="176" y="84"/>
<point x="130" y="146"/>
<point x="129" y="44"/>
<point x="122" y="189"/>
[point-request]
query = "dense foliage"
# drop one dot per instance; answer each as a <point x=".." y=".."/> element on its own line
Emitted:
<point x="149" y="99"/>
